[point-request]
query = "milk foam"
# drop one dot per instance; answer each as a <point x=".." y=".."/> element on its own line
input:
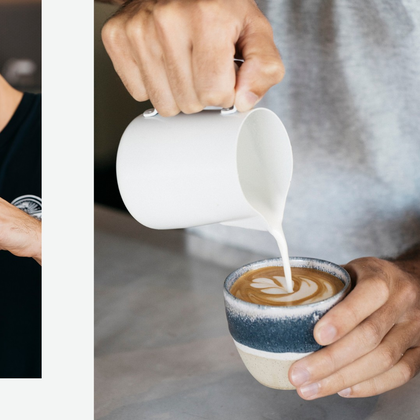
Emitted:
<point x="279" y="292"/>
<point x="268" y="286"/>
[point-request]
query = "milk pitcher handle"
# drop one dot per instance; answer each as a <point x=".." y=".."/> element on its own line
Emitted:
<point x="152" y="112"/>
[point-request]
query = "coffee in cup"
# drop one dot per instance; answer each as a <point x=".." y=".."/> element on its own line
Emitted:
<point x="272" y="329"/>
<point x="267" y="286"/>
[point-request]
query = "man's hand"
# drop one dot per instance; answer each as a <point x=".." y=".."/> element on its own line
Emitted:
<point x="179" y="53"/>
<point x="372" y="336"/>
<point x="19" y="233"/>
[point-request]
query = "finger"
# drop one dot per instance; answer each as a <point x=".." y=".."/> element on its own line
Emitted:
<point x="407" y="368"/>
<point x="213" y="70"/>
<point x="362" y="340"/>
<point x="367" y="297"/>
<point x="378" y="361"/>
<point x="118" y="48"/>
<point x="177" y="48"/>
<point x="149" y="57"/>
<point x="262" y="67"/>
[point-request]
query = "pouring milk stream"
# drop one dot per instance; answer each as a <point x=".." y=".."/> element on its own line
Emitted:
<point x="216" y="166"/>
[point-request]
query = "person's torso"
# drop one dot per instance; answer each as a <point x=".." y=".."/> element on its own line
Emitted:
<point x="20" y="279"/>
<point x="351" y="105"/>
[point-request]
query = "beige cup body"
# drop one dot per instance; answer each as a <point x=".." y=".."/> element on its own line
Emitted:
<point x="268" y="369"/>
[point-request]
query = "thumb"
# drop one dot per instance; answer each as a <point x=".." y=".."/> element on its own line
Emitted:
<point x="262" y="67"/>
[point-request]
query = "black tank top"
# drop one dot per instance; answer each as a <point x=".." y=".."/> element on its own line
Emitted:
<point x="20" y="278"/>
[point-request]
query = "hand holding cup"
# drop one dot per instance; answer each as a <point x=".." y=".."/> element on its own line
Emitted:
<point x="372" y="337"/>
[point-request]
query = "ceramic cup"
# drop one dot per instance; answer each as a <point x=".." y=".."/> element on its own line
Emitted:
<point x="270" y="338"/>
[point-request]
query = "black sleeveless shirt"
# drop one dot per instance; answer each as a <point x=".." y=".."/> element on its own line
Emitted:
<point x="20" y="278"/>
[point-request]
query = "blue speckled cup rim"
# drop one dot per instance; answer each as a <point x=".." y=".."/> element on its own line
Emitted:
<point x="294" y="262"/>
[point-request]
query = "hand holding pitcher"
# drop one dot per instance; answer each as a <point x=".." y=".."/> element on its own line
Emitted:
<point x="178" y="54"/>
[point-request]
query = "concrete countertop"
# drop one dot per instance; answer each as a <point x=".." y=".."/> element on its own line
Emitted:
<point x="162" y="346"/>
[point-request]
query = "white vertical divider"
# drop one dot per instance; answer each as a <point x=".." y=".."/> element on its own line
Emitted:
<point x="66" y="388"/>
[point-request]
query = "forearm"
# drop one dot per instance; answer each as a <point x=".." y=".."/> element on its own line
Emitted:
<point x="20" y="233"/>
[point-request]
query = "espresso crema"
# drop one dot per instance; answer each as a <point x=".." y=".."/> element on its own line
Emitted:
<point x="267" y="286"/>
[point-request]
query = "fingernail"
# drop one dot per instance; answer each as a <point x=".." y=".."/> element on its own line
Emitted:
<point x="345" y="392"/>
<point x="299" y="376"/>
<point x="309" y="390"/>
<point x="327" y="334"/>
<point x="245" y="100"/>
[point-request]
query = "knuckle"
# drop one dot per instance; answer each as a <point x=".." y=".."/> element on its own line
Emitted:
<point x="410" y="292"/>
<point x="212" y="97"/>
<point x="407" y="371"/>
<point x="168" y="111"/>
<point x="139" y="96"/>
<point x="329" y="361"/>
<point x="337" y="381"/>
<point x="375" y="386"/>
<point x="372" y="263"/>
<point x="415" y="316"/>
<point x="110" y="33"/>
<point x="381" y="288"/>
<point x="358" y="262"/>
<point x="263" y="22"/>
<point x="208" y="9"/>
<point x="134" y="29"/>
<point x="273" y="69"/>
<point x="165" y="14"/>
<point x="352" y="315"/>
<point x="191" y="108"/>
<point x="388" y="357"/>
<point x="371" y="334"/>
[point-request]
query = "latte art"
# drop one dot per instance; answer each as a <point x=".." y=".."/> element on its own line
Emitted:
<point x="267" y="286"/>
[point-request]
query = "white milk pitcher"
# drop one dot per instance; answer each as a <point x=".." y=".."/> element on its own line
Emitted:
<point x="216" y="166"/>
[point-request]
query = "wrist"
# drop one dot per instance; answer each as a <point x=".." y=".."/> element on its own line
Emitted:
<point x="409" y="261"/>
<point x="35" y="250"/>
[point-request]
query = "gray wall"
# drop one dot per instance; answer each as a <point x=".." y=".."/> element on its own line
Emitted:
<point x="19" y="44"/>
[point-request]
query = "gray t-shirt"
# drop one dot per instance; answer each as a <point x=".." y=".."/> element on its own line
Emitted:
<point x="350" y="102"/>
